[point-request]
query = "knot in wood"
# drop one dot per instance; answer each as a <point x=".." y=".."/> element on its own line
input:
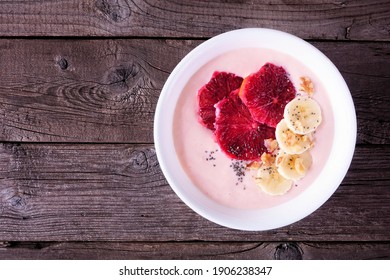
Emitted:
<point x="18" y="202"/>
<point x="120" y="74"/>
<point x="288" y="251"/>
<point x="63" y="63"/>
<point x="122" y="78"/>
<point x="139" y="160"/>
<point x="115" y="10"/>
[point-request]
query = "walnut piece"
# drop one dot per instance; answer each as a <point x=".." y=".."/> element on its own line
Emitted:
<point x="267" y="159"/>
<point x="307" y="85"/>
<point x="271" y="145"/>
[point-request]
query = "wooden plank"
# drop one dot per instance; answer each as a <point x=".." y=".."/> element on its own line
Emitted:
<point x="83" y="91"/>
<point x="107" y="90"/>
<point x="320" y="19"/>
<point x="63" y="192"/>
<point x="372" y="107"/>
<point x="196" y="250"/>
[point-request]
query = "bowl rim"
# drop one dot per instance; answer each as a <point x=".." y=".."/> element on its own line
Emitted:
<point x="342" y="150"/>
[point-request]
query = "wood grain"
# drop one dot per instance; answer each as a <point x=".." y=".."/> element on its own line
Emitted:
<point x="106" y="91"/>
<point x="79" y="83"/>
<point x="320" y="19"/>
<point x="83" y="91"/>
<point x="196" y="250"/>
<point x="62" y="192"/>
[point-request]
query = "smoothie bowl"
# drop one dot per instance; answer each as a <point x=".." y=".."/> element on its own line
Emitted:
<point x="255" y="129"/>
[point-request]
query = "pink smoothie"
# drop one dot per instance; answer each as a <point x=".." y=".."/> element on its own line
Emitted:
<point x="209" y="168"/>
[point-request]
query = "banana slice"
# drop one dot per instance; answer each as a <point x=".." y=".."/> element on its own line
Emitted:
<point x="271" y="182"/>
<point x="302" y="115"/>
<point x="293" y="167"/>
<point x="291" y="142"/>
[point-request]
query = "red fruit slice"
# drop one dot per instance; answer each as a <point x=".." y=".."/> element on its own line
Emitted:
<point x="266" y="93"/>
<point x="219" y="87"/>
<point x="236" y="132"/>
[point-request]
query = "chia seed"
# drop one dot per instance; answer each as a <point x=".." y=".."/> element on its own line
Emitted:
<point x="239" y="168"/>
<point x="210" y="156"/>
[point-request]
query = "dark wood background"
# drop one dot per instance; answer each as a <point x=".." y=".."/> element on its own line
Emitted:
<point x="79" y="83"/>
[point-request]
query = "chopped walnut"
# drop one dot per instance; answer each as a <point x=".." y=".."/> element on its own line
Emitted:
<point x="307" y="85"/>
<point x="267" y="159"/>
<point x="271" y="145"/>
<point x="254" y="165"/>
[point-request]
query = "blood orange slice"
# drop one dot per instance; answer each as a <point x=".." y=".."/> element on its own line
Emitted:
<point x="236" y="132"/>
<point x="266" y="93"/>
<point x="219" y="87"/>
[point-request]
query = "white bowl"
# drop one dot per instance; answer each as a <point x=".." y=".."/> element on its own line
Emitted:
<point x="329" y="178"/>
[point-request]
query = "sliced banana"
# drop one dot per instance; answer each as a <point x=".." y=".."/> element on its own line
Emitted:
<point x="291" y="142"/>
<point x="271" y="182"/>
<point x="302" y="115"/>
<point x="293" y="167"/>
